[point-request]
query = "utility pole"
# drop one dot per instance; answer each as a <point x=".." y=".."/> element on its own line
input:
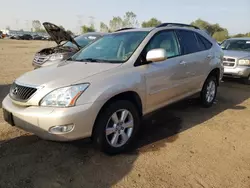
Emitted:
<point x="92" y="21"/>
<point x="27" y="25"/>
<point x="79" y="20"/>
<point x="17" y="24"/>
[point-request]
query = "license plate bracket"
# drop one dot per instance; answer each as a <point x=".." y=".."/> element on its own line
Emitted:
<point x="8" y="117"/>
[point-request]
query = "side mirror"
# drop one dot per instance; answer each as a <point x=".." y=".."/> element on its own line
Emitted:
<point x="156" y="55"/>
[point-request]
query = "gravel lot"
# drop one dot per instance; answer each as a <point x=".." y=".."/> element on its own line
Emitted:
<point x="183" y="145"/>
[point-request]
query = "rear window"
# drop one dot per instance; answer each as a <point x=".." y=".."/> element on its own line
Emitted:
<point x="188" y="41"/>
<point x="206" y="43"/>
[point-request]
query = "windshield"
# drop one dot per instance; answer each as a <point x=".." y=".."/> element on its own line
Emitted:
<point x="239" y="45"/>
<point x="113" y="48"/>
<point x="82" y="40"/>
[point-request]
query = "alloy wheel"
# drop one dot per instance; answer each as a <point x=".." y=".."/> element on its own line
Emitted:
<point x="210" y="92"/>
<point x="119" y="128"/>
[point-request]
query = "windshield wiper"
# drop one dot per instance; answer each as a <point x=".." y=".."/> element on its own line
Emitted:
<point x="95" y="60"/>
<point x="89" y="60"/>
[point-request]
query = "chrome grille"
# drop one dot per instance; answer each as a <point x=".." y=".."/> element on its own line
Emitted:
<point x="229" y="62"/>
<point x="40" y="59"/>
<point x="21" y="93"/>
<point x="228" y="59"/>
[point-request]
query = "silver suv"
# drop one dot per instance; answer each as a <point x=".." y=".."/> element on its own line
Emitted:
<point x="105" y="89"/>
<point x="237" y="58"/>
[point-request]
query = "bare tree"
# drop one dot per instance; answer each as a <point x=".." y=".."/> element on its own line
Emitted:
<point x="36" y="24"/>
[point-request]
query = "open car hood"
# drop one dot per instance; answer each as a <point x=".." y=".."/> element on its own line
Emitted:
<point x="58" y="34"/>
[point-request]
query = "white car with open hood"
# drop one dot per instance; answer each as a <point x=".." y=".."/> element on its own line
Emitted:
<point x="66" y="45"/>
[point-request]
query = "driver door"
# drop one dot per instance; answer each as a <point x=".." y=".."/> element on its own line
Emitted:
<point x="164" y="80"/>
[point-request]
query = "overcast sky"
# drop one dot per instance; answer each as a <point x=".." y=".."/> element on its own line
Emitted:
<point x="18" y="14"/>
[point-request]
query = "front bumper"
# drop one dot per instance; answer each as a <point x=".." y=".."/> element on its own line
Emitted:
<point x="239" y="72"/>
<point x="39" y="120"/>
<point x="36" y="66"/>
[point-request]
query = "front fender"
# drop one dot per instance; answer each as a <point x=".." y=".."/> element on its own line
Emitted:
<point x="112" y="85"/>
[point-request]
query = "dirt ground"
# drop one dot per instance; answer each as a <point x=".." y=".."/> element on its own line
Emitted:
<point x="183" y="145"/>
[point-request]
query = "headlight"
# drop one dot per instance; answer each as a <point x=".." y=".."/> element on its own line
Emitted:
<point x="244" y="62"/>
<point x="55" y="57"/>
<point x="64" y="97"/>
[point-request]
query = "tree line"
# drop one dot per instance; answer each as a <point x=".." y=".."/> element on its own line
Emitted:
<point x="130" y="20"/>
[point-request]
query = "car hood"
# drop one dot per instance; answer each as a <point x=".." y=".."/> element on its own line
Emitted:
<point x="63" y="75"/>
<point x="236" y="54"/>
<point x="58" y="34"/>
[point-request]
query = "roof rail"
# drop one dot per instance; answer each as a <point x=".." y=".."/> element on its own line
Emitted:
<point x="125" y="28"/>
<point x="176" y="24"/>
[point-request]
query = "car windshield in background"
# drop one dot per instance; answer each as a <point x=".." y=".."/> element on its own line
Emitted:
<point x="113" y="48"/>
<point x="82" y="40"/>
<point x="239" y="45"/>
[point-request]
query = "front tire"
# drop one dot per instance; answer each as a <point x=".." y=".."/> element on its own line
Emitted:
<point x="209" y="92"/>
<point x="116" y="127"/>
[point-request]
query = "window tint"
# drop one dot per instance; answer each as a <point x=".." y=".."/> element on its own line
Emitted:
<point x="201" y="44"/>
<point x="188" y="41"/>
<point x="166" y="40"/>
<point x="207" y="44"/>
<point x="235" y="44"/>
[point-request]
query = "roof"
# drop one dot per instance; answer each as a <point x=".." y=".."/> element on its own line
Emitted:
<point x="240" y="38"/>
<point x="159" y="28"/>
<point x="94" y="33"/>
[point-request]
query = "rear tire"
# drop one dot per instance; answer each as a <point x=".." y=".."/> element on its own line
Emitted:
<point x="116" y="127"/>
<point x="209" y="92"/>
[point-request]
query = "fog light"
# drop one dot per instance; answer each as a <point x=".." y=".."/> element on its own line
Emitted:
<point x="61" y="129"/>
<point x="240" y="73"/>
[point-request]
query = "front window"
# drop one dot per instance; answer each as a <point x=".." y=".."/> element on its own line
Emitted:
<point x="113" y="48"/>
<point x="239" y="45"/>
<point x="166" y="40"/>
<point x="82" y="41"/>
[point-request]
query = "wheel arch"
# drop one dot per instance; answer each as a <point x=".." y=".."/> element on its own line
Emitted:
<point x="215" y="72"/>
<point x="131" y="96"/>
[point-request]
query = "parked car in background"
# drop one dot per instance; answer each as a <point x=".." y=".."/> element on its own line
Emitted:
<point x="66" y="45"/>
<point x="38" y="37"/>
<point x="25" y="37"/>
<point x="236" y="60"/>
<point x="105" y="89"/>
<point x="1" y="34"/>
<point x="15" y="36"/>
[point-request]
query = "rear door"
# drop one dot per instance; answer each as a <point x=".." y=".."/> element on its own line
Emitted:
<point x="195" y="58"/>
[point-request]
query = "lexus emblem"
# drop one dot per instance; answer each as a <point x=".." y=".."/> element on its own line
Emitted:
<point x="15" y="90"/>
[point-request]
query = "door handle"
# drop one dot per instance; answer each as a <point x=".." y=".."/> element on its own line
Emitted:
<point x="183" y="63"/>
<point x="209" y="56"/>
